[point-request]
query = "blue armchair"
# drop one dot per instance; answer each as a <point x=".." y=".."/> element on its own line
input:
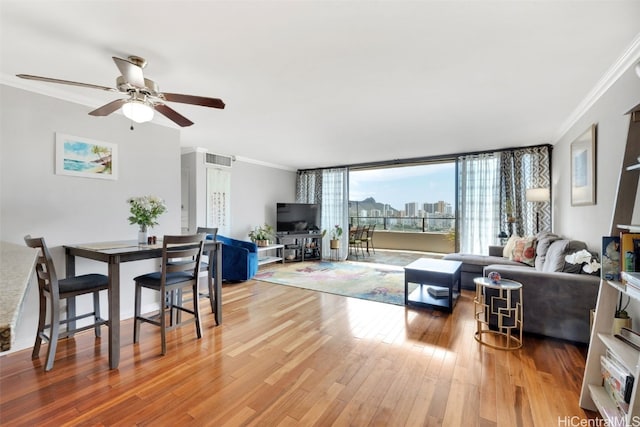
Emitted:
<point x="239" y="259"/>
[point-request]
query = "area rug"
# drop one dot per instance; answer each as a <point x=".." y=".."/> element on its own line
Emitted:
<point x="376" y="282"/>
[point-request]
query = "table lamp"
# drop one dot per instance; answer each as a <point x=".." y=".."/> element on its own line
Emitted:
<point x="538" y="195"/>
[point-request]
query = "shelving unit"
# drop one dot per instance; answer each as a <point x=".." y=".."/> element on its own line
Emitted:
<point x="301" y="247"/>
<point x="633" y="228"/>
<point x="269" y="254"/>
<point x="593" y="395"/>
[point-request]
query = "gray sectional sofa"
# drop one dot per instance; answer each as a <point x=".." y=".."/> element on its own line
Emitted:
<point x="557" y="296"/>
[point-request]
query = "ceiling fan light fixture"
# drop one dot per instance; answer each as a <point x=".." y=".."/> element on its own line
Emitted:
<point x="138" y="111"/>
<point x="143" y="95"/>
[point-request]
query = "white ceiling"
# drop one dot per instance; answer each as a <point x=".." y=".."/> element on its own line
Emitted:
<point x="322" y="83"/>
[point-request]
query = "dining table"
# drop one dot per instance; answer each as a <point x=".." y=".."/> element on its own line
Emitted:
<point x="116" y="252"/>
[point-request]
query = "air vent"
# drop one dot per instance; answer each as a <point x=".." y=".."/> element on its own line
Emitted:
<point x="217" y="160"/>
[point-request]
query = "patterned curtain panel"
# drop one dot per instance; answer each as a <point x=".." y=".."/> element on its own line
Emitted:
<point x="309" y="186"/>
<point x="330" y="189"/>
<point x="521" y="170"/>
<point x="478" y="202"/>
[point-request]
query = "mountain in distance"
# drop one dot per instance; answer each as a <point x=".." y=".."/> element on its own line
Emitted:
<point x="369" y="204"/>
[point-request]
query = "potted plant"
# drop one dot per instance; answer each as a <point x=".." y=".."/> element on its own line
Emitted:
<point x="262" y="235"/>
<point x="336" y="233"/>
<point x="621" y="318"/>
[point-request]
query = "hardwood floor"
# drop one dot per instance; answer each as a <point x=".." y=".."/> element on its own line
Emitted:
<point x="287" y="356"/>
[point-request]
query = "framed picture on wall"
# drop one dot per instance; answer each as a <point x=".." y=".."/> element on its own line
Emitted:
<point x="583" y="168"/>
<point x="84" y="157"/>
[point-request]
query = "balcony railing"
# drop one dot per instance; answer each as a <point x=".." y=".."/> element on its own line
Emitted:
<point x="428" y="224"/>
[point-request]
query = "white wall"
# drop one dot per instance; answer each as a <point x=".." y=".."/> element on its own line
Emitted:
<point x="590" y="223"/>
<point x="194" y="194"/>
<point x="67" y="210"/>
<point x="255" y="191"/>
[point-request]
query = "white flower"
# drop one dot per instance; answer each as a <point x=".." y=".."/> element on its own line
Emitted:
<point x="591" y="267"/>
<point x="579" y="257"/>
<point x="583" y="257"/>
<point x="145" y="210"/>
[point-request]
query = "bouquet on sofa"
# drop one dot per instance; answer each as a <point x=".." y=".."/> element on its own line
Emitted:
<point x="590" y="265"/>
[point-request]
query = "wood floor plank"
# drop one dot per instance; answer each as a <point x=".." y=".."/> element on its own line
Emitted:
<point x="321" y="404"/>
<point x="288" y="356"/>
<point x="488" y="395"/>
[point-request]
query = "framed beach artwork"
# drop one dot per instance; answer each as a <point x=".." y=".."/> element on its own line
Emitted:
<point x="84" y="157"/>
<point x="583" y="168"/>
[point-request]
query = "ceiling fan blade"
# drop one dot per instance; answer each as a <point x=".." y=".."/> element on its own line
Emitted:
<point x="109" y="108"/>
<point x="195" y="100"/>
<point x="131" y="72"/>
<point x="173" y="115"/>
<point x="65" y="82"/>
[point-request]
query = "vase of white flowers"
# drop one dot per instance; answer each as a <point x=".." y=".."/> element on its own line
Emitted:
<point x="145" y="211"/>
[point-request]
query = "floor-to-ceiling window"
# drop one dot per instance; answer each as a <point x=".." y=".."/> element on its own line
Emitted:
<point x="410" y="198"/>
<point x="474" y="199"/>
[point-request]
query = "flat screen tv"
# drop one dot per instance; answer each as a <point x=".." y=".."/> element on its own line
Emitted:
<point x="297" y="218"/>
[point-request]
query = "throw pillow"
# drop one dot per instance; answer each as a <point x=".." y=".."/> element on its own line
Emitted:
<point x="571" y="268"/>
<point x="507" y="252"/>
<point x="544" y="241"/>
<point x="524" y="251"/>
<point x="557" y="251"/>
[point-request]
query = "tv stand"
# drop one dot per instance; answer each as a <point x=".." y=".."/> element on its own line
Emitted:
<point x="301" y="246"/>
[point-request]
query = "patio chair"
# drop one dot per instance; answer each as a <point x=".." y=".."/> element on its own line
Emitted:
<point x="369" y="238"/>
<point x="355" y="240"/>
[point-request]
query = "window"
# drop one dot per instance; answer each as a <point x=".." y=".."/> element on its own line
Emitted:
<point x="416" y="197"/>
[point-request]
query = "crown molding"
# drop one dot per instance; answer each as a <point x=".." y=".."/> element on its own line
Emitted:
<point x="267" y="164"/>
<point x="627" y="60"/>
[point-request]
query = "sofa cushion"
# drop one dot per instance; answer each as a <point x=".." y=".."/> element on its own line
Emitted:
<point x="508" y="247"/>
<point x="473" y="265"/>
<point x="545" y="239"/>
<point x="572" y="268"/>
<point x="524" y="250"/>
<point x="555" y="261"/>
<point x="469" y="261"/>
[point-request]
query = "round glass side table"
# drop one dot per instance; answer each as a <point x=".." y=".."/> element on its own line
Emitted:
<point x="498" y="313"/>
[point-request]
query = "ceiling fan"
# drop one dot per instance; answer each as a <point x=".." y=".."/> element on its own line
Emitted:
<point x="144" y="95"/>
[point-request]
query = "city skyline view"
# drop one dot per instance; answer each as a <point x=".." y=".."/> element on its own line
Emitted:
<point x="398" y="186"/>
